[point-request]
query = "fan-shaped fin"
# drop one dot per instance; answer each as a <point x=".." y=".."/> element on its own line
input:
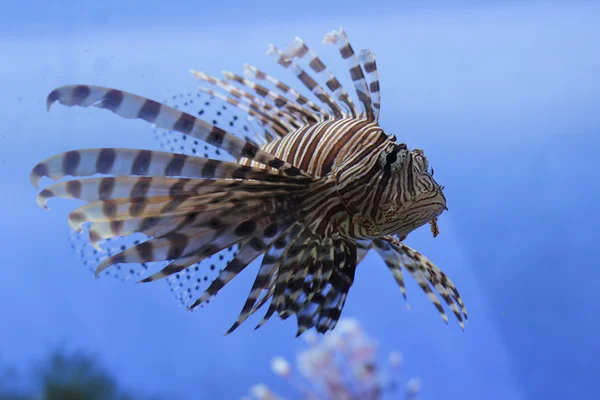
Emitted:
<point x="129" y="105"/>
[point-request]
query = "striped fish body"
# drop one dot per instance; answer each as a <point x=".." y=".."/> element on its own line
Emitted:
<point x="359" y="196"/>
<point x="326" y="186"/>
<point x="316" y="148"/>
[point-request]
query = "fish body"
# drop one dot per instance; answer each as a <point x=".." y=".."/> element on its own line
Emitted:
<point x="326" y="186"/>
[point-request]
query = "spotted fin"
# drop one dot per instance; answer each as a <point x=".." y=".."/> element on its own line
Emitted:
<point x="186" y="285"/>
<point x="217" y="113"/>
<point x="129" y="105"/>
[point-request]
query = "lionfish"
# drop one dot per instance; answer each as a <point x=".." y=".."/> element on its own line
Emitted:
<point x="325" y="186"/>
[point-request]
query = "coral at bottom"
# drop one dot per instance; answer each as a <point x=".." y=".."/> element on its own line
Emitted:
<point x="341" y="365"/>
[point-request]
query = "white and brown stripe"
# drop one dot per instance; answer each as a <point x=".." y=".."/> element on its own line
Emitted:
<point x="276" y="122"/>
<point x="367" y="58"/>
<point x="300" y="50"/>
<point x="295" y="111"/>
<point x="356" y="73"/>
<point x="254" y="73"/>
<point x="308" y="82"/>
<point x="129" y="105"/>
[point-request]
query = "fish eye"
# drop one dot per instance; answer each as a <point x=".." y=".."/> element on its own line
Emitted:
<point x="394" y="159"/>
<point x="391" y="157"/>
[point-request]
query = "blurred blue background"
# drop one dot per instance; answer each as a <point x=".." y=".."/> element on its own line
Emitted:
<point x="503" y="96"/>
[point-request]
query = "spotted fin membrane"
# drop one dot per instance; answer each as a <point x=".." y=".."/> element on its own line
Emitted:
<point x="190" y="283"/>
<point x="212" y="110"/>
